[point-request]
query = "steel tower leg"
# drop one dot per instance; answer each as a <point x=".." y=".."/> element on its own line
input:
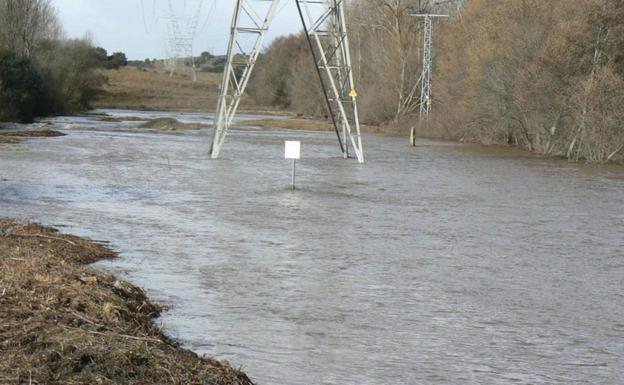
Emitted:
<point x="249" y="25"/>
<point x="329" y="42"/>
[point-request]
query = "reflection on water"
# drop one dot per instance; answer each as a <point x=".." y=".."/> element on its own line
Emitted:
<point x="444" y="264"/>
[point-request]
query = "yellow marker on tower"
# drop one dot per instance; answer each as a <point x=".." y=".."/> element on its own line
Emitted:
<point x="353" y="93"/>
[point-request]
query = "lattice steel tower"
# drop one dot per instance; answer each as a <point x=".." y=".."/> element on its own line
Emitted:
<point x="426" y="76"/>
<point x="181" y="34"/>
<point x="325" y="28"/>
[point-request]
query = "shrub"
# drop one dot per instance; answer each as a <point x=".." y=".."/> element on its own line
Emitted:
<point x="117" y="60"/>
<point x="20" y="88"/>
<point x="70" y="80"/>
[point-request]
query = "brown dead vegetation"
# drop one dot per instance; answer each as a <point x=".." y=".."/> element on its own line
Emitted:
<point x="12" y="148"/>
<point x="13" y="137"/>
<point x="8" y="140"/>
<point x="62" y="322"/>
<point x="30" y="134"/>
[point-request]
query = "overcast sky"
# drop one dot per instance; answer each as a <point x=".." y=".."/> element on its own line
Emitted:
<point x="138" y="28"/>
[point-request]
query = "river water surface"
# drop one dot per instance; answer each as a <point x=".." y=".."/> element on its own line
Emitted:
<point x="440" y="264"/>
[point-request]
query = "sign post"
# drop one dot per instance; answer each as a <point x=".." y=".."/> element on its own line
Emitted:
<point x="293" y="151"/>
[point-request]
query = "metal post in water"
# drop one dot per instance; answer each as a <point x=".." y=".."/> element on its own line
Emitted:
<point x="293" y="174"/>
<point x="292" y="150"/>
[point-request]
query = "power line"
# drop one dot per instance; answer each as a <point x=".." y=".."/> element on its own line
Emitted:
<point x="181" y="35"/>
<point x="210" y="11"/>
<point x="143" y="16"/>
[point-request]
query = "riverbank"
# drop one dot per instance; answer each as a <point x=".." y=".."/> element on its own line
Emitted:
<point x="65" y="322"/>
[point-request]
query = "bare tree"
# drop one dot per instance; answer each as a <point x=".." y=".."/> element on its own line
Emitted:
<point x="543" y="76"/>
<point x="24" y="24"/>
<point x="387" y="54"/>
<point x="40" y="72"/>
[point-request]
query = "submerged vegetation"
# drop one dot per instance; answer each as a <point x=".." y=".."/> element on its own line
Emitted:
<point x="170" y="124"/>
<point x="65" y="323"/>
<point x="543" y="76"/>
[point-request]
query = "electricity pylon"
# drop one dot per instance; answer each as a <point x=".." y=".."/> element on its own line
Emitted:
<point x="181" y="34"/>
<point x="325" y="29"/>
<point x="426" y="76"/>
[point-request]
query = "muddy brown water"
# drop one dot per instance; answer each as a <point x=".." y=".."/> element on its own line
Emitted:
<point x="442" y="264"/>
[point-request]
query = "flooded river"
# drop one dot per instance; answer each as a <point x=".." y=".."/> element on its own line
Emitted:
<point x="440" y="264"/>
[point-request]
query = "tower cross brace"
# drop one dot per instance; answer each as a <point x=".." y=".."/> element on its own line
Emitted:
<point x="327" y="37"/>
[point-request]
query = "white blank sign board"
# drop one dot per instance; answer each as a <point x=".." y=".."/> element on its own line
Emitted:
<point x="293" y="150"/>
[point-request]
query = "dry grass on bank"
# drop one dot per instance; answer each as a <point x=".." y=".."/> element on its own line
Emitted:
<point x="65" y="323"/>
<point x="295" y="124"/>
<point x="301" y="124"/>
<point x="153" y="89"/>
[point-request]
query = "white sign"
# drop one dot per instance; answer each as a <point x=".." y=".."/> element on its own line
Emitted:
<point x="293" y="150"/>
